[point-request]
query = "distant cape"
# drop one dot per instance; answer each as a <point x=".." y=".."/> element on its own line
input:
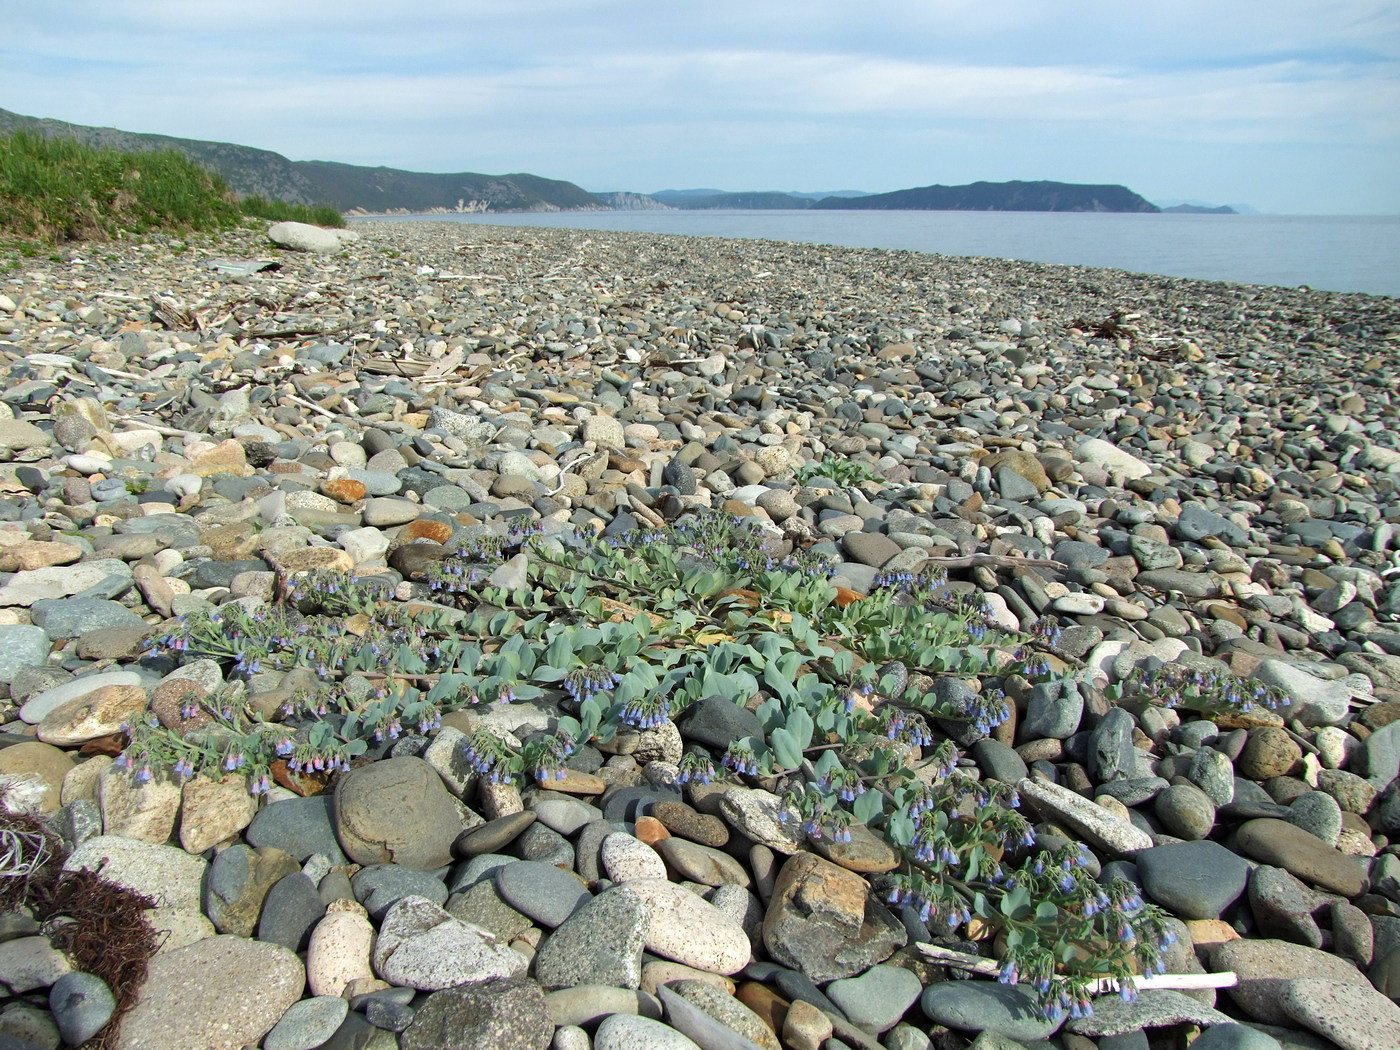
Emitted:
<point x="999" y="196"/>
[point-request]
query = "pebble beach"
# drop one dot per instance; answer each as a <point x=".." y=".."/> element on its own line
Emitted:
<point x="1196" y="474"/>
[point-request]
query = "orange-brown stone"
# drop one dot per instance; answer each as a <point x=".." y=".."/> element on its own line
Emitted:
<point x="575" y="783"/>
<point x="345" y="490"/>
<point x="651" y="831"/>
<point x="427" y="529"/>
<point x="227" y="457"/>
<point x="769" y="1005"/>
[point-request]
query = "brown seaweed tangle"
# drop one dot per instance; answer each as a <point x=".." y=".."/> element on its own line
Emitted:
<point x="99" y="924"/>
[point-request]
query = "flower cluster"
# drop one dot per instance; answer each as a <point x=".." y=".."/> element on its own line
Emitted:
<point x="544" y="757"/>
<point x="815" y="811"/>
<point x="903" y="727"/>
<point x="740" y="757"/>
<point x="987" y="710"/>
<point x="845" y="690"/>
<point x="490" y="758"/>
<point x="1199" y="690"/>
<point x="646" y="712"/>
<point x="845" y="784"/>
<point x="932" y="900"/>
<point x="584" y="683"/>
<point x="696" y="768"/>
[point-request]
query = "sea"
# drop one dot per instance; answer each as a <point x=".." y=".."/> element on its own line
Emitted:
<point x="1337" y="253"/>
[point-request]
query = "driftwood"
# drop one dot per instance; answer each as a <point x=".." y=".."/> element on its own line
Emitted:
<point x="989" y="968"/>
<point x="307" y="404"/>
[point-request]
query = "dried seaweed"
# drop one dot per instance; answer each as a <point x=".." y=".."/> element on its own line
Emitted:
<point x="100" y="924"/>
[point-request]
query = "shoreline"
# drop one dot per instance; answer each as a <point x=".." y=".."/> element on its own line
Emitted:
<point x="1174" y="472"/>
<point x="1001" y="235"/>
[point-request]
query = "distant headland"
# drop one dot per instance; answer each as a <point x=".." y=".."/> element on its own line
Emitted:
<point x="356" y="189"/>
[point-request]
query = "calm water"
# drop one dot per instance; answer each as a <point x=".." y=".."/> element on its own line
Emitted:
<point x="1348" y="253"/>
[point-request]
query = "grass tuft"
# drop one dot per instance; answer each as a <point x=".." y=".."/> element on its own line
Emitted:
<point x="283" y="211"/>
<point x="58" y="190"/>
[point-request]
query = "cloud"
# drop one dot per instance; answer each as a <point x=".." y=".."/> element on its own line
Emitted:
<point x="626" y="94"/>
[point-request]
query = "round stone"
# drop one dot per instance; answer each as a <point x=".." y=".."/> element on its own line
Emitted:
<point x="1186" y="811"/>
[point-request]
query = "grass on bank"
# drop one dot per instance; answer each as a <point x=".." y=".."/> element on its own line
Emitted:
<point x="282" y="211"/>
<point x="58" y="190"/>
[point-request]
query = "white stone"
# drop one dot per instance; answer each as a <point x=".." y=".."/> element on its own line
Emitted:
<point x="1078" y="604"/>
<point x="214" y="810"/>
<point x="1310" y="699"/>
<point x="59" y="581"/>
<point x="634" y="1032"/>
<point x="339" y="949"/>
<point x="364" y="545"/>
<point x="168" y="875"/>
<point x="27" y="963"/>
<point x="755" y="813"/>
<point x="1097" y="825"/>
<point x="303" y="237"/>
<point x="689" y="929"/>
<point x="134" y="810"/>
<point x="40" y="704"/>
<point x="1335" y="746"/>
<point x="999" y="612"/>
<point x="422" y="946"/>
<point x="178" y="927"/>
<point x="1111" y="458"/>
<point x="625" y="858"/>
<point x="447" y="755"/>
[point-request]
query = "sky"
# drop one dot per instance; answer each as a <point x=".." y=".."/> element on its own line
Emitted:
<point x="1290" y="106"/>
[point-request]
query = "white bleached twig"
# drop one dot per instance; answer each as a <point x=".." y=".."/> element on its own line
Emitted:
<point x="989" y="968"/>
<point x="307" y="404"/>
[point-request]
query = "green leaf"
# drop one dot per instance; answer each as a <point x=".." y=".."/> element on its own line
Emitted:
<point x="771" y="715"/>
<point x="778" y="682"/>
<point x="801" y="726"/>
<point x="827" y="764"/>
<point x="1046" y="912"/>
<point x="900" y="828"/>
<point x="560" y="651"/>
<point x="1016" y="905"/>
<point x="590" y="717"/>
<point x="549" y="673"/>
<point x="786" y="748"/>
<point x="868" y="806"/>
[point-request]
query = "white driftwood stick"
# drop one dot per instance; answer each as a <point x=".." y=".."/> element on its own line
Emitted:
<point x="989" y="968"/>
<point x="307" y="404"/>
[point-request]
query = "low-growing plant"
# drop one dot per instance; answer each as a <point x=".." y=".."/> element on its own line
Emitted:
<point x="1207" y="692"/>
<point x="845" y="472"/>
<point x="859" y="699"/>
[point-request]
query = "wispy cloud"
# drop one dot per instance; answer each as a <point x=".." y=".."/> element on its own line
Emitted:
<point x="1174" y="98"/>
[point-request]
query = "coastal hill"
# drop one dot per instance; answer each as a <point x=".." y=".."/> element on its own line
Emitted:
<point x="354" y="188"/>
<point x="346" y="187"/>
<point x="979" y="196"/>
<point x="999" y="196"/>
